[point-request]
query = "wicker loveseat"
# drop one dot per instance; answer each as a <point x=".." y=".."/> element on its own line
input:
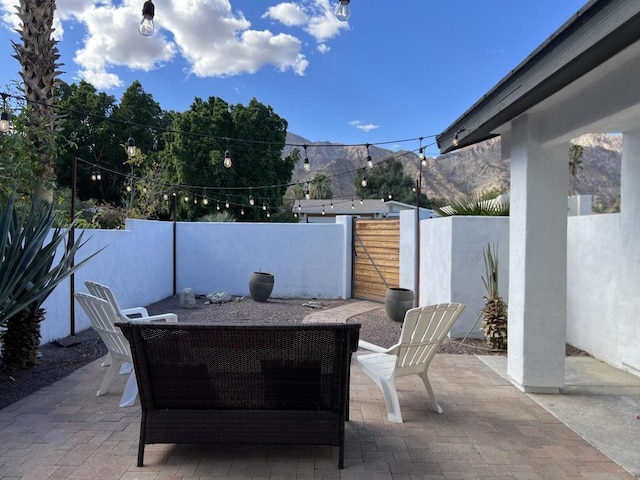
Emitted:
<point x="258" y="384"/>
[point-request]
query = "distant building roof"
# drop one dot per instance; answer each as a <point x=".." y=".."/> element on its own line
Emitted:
<point x="340" y="207"/>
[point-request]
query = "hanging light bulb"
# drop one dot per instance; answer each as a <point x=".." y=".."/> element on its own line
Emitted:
<point x="363" y="182"/>
<point x="353" y="207"/>
<point x="131" y="147"/>
<point x="195" y="200"/>
<point x="98" y="175"/>
<point x="218" y="206"/>
<point x="227" y="204"/>
<point x="268" y="214"/>
<point x="165" y="196"/>
<point x="186" y="198"/>
<point x="94" y="177"/>
<point x="205" y="200"/>
<point x="369" y="160"/>
<point x="323" y="211"/>
<point x="455" y="142"/>
<point x="146" y="24"/>
<point x="264" y="205"/>
<point x="252" y="202"/>
<point x="331" y="205"/>
<point x="306" y="165"/>
<point x="4" y="116"/>
<point x="227" y="159"/>
<point x="389" y="196"/>
<point x="343" y="10"/>
<point x="129" y="188"/>
<point x="242" y="211"/>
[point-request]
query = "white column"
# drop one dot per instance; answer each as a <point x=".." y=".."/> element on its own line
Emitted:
<point x="628" y="298"/>
<point x="537" y="260"/>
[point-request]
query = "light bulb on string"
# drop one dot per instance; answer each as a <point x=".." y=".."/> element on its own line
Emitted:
<point x="98" y="175"/>
<point x="455" y="142"/>
<point x="264" y="205"/>
<point x="205" y="200"/>
<point x="4" y="116"/>
<point x="227" y="159"/>
<point x="353" y="207"/>
<point x="186" y="198"/>
<point x="252" y="202"/>
<point x="343" y="10"/>
<point x="323" y="213"/>
<point x="242" y="211"/>
<point x="131" y="147"/>
<point x="146" y="26"/>
<point x="363" y="182"/>
<point x="165" y="196"/>
<point x="331" y="205"/>
<point x="227" y="204"/>
<point x="268" y="214"/>
<point x="369" y="160"/>
<point x="218" y="206"/>
<point x="306" y="165"/>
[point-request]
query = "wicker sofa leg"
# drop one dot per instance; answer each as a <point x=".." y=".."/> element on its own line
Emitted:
<point x="143" y="428"/>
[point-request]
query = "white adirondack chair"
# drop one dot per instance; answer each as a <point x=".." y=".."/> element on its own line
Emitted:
<point x="103" y="317"/>
<point x="138" y="313"/>
<point x="423" y="331"/>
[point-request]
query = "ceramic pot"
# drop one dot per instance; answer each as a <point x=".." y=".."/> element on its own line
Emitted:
<point x="397" y="301"/>
<point x="260" y="286"/>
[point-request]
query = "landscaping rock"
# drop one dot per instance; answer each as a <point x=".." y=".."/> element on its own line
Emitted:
<point x="187" y="298"/>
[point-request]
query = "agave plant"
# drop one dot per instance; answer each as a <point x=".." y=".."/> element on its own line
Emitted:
<point x="494" y="313"/>
<point x="29" y="272"/>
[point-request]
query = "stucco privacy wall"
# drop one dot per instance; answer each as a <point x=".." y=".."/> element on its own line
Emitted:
<point x="593" y="268"/>
<point x="452" y="264"/>
<point x="306" y="259"/>
<point x="136" y="262"/>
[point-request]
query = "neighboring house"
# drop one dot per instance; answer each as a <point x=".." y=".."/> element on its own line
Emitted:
<point x="583" y="79"/>
<point x="326" y="210"/>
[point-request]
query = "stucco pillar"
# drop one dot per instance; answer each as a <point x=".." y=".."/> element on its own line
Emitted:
<point x="628" y="299"/>
<point x="537" y="260"/>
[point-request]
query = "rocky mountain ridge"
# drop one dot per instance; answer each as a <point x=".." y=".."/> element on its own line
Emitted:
<point x="471" y="170"/>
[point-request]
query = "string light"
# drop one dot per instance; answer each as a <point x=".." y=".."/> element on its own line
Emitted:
<point x="369" y="161"/>
<point x="227" y="204"/>
<point x="146" y="26"/>
<point x="227" y="159"/>
<point x="455" y="140"/>
<point x="252" y="202"/>
<point x="343" y="10"/>
<point x="363" y="182"/>
<point x="4" y="116"/>
<point x="421" y="156"/>
<point x="131" y="147"/>
<point x="306" y="165"/>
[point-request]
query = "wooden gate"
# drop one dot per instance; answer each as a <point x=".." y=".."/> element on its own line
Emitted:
<point x="376" y="257"/>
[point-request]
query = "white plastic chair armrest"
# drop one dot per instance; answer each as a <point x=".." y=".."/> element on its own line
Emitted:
<point x="167" y="317"/>
<point x="135" y="311"/>
<point x="374" y="348"/>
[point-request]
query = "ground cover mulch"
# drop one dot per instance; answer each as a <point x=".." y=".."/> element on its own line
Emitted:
<point x="61" y="357"/>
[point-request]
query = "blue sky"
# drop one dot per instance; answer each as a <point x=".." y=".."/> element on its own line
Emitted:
<point x="396" y="70"/>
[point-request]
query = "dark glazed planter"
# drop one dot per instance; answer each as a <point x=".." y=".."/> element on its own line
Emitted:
<point x="397" y="301"/>
<point x="260" y="286"/>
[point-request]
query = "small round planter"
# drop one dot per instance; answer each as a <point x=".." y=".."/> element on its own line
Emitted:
<point x="260" y="286"/>
<point x="397" y="301"/>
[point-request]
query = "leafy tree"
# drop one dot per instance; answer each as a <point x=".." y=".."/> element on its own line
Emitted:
<point x="195" y="153"/>
<point x="383" y="179"/>
<point x="575" y="164"/>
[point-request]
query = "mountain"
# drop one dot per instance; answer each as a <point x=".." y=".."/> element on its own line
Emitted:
<point x="471" y="170"/>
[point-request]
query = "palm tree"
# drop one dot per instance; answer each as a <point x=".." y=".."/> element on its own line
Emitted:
<point x="494" y="313"/>
<point x="38" y="56"/>
<point x="320" y="186"/>
<point x="575" y="164"/>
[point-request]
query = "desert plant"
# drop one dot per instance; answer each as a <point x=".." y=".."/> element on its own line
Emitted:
<point x="494" y="313"/>
<point x="482" y="204"/>
<point x="30" y="270"/>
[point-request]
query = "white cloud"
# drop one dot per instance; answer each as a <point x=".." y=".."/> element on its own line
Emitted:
<point x="289" y="14"/>
<point x="214" y="39"/>
<point x="365" y="127"/>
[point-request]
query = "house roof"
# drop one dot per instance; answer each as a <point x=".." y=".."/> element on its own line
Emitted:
<point x="595" y="34"/>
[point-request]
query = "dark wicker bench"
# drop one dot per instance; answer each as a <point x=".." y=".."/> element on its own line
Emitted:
<point x="258" y="384"/>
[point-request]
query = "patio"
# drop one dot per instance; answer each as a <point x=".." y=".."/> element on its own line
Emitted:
<point x="489" y="430"/>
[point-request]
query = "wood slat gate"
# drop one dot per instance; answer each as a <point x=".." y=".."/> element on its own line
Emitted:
<point x="376" y="259"/>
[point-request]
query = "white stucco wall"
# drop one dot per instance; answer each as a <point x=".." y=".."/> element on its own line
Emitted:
<point x="308" y="261"/>
<point x="452" y="264"/>
<point x="305" y="258"/>
<point x="136" y="263"/>
<point x="593" y="263"/>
